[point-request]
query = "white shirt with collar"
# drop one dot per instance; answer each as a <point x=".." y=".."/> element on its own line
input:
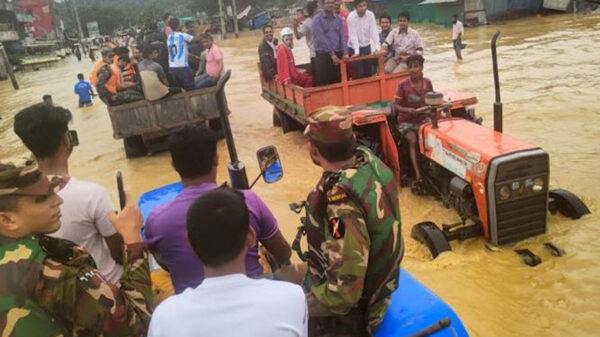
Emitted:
<point x="362" y="31"/>
<point x="231" y="306"/>
<point x="457" y="28"/>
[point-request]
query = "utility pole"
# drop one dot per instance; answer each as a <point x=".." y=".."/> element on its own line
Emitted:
<point x="223" y="31"/>
<point x="9" y="67"/>
<point x="78" y="25"/>
<point x="235" y="20"/>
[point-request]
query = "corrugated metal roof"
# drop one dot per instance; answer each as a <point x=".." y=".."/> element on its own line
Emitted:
<point x="430" y="2"/>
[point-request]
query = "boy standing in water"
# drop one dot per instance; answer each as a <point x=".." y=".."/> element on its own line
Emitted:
<point x="85" y="91"/>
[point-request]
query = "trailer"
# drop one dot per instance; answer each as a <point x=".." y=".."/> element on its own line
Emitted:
<point x="145" y="125"/>
<point x="293" y="104"/>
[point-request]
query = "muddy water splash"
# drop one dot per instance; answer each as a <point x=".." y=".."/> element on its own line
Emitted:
<point x="549" y="73"/>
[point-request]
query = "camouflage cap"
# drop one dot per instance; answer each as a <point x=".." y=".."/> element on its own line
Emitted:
<point x="22" y="177"/>
<point x="330" y="124"/>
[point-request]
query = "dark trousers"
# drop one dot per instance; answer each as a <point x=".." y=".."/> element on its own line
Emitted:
<point x="182" y="78"/>
<point x="363" y="68"/>
<point x="312" y="67"/>
<point x="326" y="72"/>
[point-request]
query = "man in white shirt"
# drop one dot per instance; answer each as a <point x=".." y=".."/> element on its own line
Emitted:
<point x="458" y="30"/>
<point x="86" y="208"/>
<point x="228" y="303"/>
<point x="362" y="31"/>
<point x="405" y="41"/>
<point x="179" y="67"/>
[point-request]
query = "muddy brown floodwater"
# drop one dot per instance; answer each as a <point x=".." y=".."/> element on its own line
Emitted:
<point x="550" y="76"/>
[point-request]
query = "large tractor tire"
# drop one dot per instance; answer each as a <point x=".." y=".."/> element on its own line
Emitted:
<point x="276" y="117"/>
<point x="134" y="147"/>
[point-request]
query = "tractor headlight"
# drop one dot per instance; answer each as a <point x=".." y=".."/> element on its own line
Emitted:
<point x="538" y="185"/>
<point x="504" y="193"/>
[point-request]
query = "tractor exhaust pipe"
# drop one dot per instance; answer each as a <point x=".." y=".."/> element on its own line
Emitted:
<point x="498" y="103"/>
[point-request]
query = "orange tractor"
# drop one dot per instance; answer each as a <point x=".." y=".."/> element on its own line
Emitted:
<point x="498" y="184"/>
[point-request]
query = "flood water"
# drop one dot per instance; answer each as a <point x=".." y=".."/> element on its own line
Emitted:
<point x="550" y="74"/>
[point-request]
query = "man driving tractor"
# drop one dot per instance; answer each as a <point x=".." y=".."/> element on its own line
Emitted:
<point x="412" y="111"/>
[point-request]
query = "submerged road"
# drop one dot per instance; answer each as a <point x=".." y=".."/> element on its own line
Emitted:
<point x="550" y="75"/>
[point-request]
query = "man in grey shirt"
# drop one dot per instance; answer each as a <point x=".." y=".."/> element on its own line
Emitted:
<point x="154" y="79"/>
<point x="305" y="30"/>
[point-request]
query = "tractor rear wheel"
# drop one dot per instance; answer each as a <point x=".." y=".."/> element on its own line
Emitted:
<point x="134" y="147"/>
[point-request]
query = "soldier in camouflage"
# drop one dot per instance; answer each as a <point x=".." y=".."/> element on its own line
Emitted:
<point x="49" y="286"/>
<point x="353" y="229"/>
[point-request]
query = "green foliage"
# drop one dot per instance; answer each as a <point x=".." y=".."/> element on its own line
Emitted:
<point x="112" y="15"/>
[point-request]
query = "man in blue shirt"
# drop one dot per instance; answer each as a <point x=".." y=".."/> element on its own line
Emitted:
<point x="330" y="45"/>
<point x="85" y="91"/>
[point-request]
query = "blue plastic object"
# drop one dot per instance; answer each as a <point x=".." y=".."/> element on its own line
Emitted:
<point x="413" y="309"/>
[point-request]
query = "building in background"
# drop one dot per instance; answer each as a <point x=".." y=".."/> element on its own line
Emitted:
<point x="44" y="22"/>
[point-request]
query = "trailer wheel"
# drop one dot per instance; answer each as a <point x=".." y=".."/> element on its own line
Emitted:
<point x="567" y="203"/>
<point x="276" y="118"/>
<point x="288" y="124"/>
<point x="134" y="147"/>
<point x="431" y="235"/>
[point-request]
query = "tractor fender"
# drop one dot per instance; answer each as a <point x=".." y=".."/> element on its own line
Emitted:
<point x="567" y="203"/>
<point x="431" y="235"/>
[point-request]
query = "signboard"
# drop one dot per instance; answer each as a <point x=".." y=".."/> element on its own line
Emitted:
<point x="559" y="5"/>
<point x="93" y="30"/>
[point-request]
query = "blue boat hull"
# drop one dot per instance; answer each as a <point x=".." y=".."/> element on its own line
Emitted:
<point x="413" y="308"/>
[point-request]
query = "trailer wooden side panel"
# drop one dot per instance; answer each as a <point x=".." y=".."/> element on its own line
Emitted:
<point x="147" y="117"/>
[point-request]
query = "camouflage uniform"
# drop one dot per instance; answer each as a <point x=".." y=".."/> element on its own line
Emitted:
<point x="51" y="287"/>
<point x="354" y="236"/>
<point x="122" y="97"/>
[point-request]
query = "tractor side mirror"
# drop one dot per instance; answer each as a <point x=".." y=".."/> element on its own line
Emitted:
<point x="270" y="164"/>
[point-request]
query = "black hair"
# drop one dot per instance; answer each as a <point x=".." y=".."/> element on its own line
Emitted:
<point x="455" y="16"/>
<point x="357" y="2"/>
<point x="300" y="10"/>
<point x="415" y="58"/>
<point x="404" y="15"/>
<point x="335" y="152"/>
<point x="193" y="150"/>
<point x="151" y="26"/>
<point x="121" y="51"/>
<point x="385" y="16"/>
<point x="266" y="26"/>
<point x="106" y="52"/>
<point x="311" y="7"/>
<point x="42" y="127"/>
<point x="124" y="57"/>
<point x="207" y="36"/>
<point x="45" y="97"/>
<point x="166" y="15"/>
<point x="217" y="225"/>
<point x="80" y="76"/>
<point x="174" y="23"/>
<point x="149" y="49"/>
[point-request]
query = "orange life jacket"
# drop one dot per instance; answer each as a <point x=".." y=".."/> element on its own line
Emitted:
<point x="111" y="83"/>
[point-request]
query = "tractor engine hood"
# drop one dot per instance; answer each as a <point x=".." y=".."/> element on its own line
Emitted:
<point x="466" y="148"/>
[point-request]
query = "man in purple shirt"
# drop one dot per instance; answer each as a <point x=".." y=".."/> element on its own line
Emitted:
<point x="194" y="157"/>
<point x="330" y="45"/>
